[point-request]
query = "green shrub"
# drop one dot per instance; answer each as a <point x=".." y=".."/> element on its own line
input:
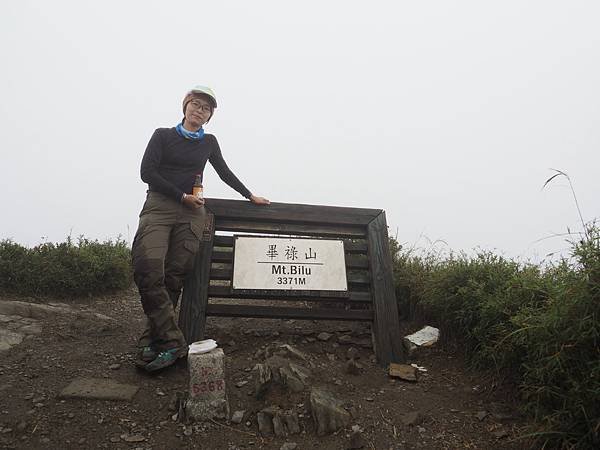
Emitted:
<point x="65" y="269"/>
<point x="540" y="327"/>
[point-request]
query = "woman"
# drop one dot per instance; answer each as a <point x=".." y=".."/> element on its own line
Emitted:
<point x="171" y="223"/>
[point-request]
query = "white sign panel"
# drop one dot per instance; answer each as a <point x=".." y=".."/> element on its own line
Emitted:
<point x="289" y="263"/>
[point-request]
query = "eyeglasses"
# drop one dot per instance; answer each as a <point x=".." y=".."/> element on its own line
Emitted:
<point x="202" y="106"/>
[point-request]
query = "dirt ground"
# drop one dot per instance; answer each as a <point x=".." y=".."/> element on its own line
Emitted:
<point x="459" y="408"/>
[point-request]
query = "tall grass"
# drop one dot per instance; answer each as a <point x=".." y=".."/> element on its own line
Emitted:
<point x="66" y="268"/>
<point x="538" y="326"/>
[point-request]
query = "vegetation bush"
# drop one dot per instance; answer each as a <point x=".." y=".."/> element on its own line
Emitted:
<point x="539" y="326"/>
<point x="66" y="268"/>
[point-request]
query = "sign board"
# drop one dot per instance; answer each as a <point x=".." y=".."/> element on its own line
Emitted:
<point x="262" y="262"/>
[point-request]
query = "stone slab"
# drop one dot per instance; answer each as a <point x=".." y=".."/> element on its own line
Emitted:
<point x="99" y="389"/>
<point x="9" y="338"/>
<point x="42" y="311"/>
<point x="403" y="371"/>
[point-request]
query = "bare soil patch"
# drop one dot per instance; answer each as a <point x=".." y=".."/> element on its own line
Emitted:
<point x="457" y="408"/>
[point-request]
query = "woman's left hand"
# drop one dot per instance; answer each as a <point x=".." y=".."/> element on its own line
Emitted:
<point x="259" y="200"/>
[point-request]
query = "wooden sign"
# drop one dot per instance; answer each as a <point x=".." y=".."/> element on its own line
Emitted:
<point x="263" y="262"/>
<point x="213" y="289"/>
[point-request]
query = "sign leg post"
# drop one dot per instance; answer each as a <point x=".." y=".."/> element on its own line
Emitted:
<point x="386" y="324"/>
<point x="192" y="315"/>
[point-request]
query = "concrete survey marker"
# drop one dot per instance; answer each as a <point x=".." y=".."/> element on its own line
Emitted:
<point x="208" y="398"/>
<point x="99" y="389"/>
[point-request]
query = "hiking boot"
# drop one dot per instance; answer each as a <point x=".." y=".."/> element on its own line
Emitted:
<point x="148" y="354"/>
<point x="145" y="355"/>
<point x="166" y="358"/>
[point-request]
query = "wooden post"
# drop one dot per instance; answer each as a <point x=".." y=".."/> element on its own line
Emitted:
<point x="192" y="315"/>
<point x="386" y="325"/>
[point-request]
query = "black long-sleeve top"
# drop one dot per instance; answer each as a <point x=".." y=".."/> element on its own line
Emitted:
<point x="171" y="163"/>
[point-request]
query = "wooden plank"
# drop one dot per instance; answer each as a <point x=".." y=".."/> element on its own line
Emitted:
<point x="296" y="229"/>
<point x="386" y="325"/>
<point x="227" y="292"/>
<point x="288" y="212"/>
<point x="354" y="246"/>
<point x="356" y="262"/>
<point x="223" y="241"/>
<point x="192" y="314"/>
<point x="281" y="312"/>
<point x="219" y="256"/>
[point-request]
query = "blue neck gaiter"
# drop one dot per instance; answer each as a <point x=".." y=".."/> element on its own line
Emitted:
<point x="191" y="135"/>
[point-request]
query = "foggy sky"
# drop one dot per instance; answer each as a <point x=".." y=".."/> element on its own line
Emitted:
<point x="447" y="115"/>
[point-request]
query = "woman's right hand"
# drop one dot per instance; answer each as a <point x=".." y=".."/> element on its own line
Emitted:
<point x="192" y="202"/>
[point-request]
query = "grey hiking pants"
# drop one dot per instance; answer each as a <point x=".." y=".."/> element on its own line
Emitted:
<point x="167" y="239"/>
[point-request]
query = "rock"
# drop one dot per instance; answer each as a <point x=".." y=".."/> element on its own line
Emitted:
<point x="21" y="425"/>
<point x="500" y="434"/>
<point x="403" y="371"/>
<point x="132" y="437"/>
<point x="238" y="416"/>
<point x="275" y="363"/>
<point x="279" y="427"/>
<point x="41" y="311"/>
<point x="114" y="366"/>
<point x="262" y="380"/>
<point x="290" y="381"/>
<point x="324" y="336"/>
<point x="302" y="373"/>
<point x="412" y="418"/>
<point x="356" y="439"/>
<point x="425" y="337"/>
<point x="98" y="388"/>
<point x="9" y="338"/>
<point x="292" y="422"/>
<point x="365" y="343"/>
<point x="265" y="424"/>
<point x="481" y="415"/>
<point x="281" y="423"/>
<point x="240" y="384"/>
<point x="502" y="417"/>
<point x="327" y="412"/>
<point x="289" y="446"/>
<point x="288" y="351"/>
<point x="345" y="339"/>
<point x="283" y="371"/>
<point x="352" y="367"/>
<point x="352" y="353"/>
<point x="35" y="329"/>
